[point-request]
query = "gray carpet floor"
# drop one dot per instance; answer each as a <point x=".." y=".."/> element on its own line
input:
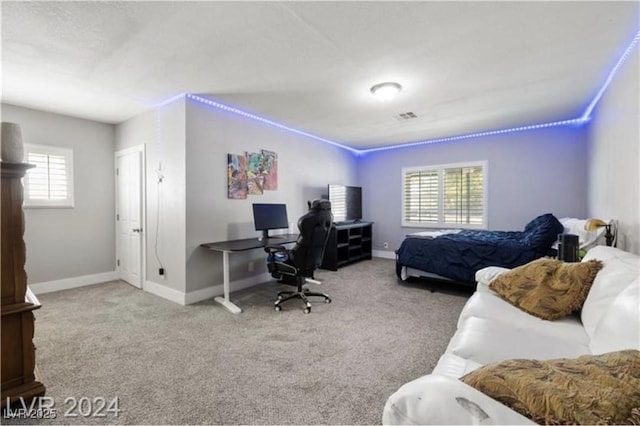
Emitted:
<point x="200" y="364"/>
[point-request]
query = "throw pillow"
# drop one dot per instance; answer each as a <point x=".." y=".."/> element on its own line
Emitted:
<point x="547" y="288"/>
<point x="591" y="389"/>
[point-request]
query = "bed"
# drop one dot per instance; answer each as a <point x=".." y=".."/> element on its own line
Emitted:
<point x="456" y="255"/>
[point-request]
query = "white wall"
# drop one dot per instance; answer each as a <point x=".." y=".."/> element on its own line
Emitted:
<point x="162" y="131"/>
<point x="614" y="155"/>
<point x="305" y="167"/>
<point x="139" y="130"/>
<point x="530" y="173"/>
<point x="67" y="243"/>
<point x="190" y="142"/>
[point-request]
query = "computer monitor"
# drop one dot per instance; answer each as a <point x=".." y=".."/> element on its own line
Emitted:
<point x="270" y="216"/>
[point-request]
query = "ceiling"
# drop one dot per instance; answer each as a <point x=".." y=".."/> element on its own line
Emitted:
<point x="464" y="66"/>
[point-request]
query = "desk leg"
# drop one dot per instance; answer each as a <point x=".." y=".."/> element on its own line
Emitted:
<point x="224" y="301"/>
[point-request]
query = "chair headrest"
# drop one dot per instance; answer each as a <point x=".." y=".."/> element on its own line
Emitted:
<point x="319" y="204"/>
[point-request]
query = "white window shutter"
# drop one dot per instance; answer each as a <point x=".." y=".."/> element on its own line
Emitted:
<point x="50" y="182"/>
<point x="445" y="196"/>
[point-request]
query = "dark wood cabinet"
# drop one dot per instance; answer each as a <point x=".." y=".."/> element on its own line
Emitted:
<point x="18" y="303"/>
<point x="348" y="243"/>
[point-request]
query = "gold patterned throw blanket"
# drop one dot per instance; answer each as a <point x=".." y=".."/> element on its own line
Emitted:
<point x="588" y="390"/>
<point x="547" y="288"/>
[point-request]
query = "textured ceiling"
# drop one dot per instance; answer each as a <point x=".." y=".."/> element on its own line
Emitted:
<point x="464" y="66"/>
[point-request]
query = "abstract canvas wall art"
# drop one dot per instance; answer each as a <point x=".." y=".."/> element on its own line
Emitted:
<point x="251" y="174"/>
<point x="255" y="175"/>
<point x="236" y="176"/>
<point x="270" y="167"/>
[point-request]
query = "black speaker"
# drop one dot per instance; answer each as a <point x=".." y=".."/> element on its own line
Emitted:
<point x="568" y="248"/>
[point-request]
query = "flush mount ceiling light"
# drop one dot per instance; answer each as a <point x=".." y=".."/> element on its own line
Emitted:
<point x="386" y="91"/>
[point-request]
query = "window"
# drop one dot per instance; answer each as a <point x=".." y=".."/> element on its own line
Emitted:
<point x="452" y="195"/>
<point x="50" y="182"/>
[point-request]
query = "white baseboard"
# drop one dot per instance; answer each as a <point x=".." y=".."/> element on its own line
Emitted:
<point x="204" y="293"/>
<point x="385" y="254"/>
<point x="165" y="292"/>
<point x="75" y="282"/>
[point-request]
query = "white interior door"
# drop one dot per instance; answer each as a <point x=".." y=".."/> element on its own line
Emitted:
<point x="129" y="216"/>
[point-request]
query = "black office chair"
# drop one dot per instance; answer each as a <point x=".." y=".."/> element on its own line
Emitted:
<point x="296" y="266"/>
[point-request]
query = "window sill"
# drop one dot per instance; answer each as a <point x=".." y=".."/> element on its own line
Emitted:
<point x="42" y="206"/>
<point x="443" y="226"/>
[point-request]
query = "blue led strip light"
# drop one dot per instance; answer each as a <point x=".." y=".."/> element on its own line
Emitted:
<point x="623" y="58"/>
<point x="267" y="121"/>
<point x="574" y="121"/>
<point x="170" y="100"/>
<point x="586" y="116"/>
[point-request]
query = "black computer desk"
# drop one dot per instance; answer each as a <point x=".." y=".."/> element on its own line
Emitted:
<point x="230" y="246"/>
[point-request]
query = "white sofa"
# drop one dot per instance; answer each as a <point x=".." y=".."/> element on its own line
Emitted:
<point x="492" y="330"/>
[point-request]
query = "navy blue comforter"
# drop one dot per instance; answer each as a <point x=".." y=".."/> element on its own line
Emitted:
<point x="459" y="256"/>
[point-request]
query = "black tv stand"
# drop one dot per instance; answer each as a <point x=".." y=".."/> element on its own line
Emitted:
<point x="348" y="242"/>
<point x="347" y="222"/>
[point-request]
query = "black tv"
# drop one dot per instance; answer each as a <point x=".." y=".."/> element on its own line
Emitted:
<point x="270" y="216"/>
<point x="346" y="203"/>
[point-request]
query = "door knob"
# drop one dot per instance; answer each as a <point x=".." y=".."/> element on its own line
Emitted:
<point x="137" y="229"/>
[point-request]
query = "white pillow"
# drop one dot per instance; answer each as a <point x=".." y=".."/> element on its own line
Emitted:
<point x="586" y="239"/>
